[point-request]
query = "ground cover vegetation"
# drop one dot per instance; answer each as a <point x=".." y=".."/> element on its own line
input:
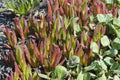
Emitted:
<point x="76" y="40"/>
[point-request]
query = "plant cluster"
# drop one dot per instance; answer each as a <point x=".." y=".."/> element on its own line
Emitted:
<point x="21" y="7"/>
<point x="77" y="40"/>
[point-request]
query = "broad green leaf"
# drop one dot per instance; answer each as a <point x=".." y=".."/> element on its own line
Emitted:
<point x="103" y="77"/>
<point x="116" y="71"/>
<point x="87" y="76"/>
<point x="116" y="77"/>
<point x="94" y="47"/>
<point x="105" y="41"/>
<point x="102" y="64"/>
<point x="109" y="1"/>
<point x="73" y="61"/>
<point x="108" y="18"/>
<point x="116" y="31"/>
<point x="116" y="21"/>
<point x="43" y="76"/>
<point x="80" y="76"/>
<point x="90" y="67"/>
<point x="116" y="43"/>
<point x="60" y="72"/>
<point x="92" y="75"/>
<point x="76" y="27"/>
<point x="101" y="18"/>
<point x="111" y="52"/>
<point x="115" y="66"/>
<point x="109" y="60"/>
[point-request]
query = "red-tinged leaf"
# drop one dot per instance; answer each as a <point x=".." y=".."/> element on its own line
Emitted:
<point x="11" y="76"/>
<point x="13" y="38"/>
<point x="88" y="41"/>
<point x="97" y="4"/>
<point x="85" y="58"/>
<point x="53" y="59"/>
<point x="66" y="9"/>
<point x="98" y="43"/>
<point x="7" y="33"/>
<point x="61" y="10"/>
<point x="27" y="54"/>
<point x="19" y="27"/>
<point x="56" y="5"/>
<point x="5" y="59"/>
<point x="104" y="8"/>
<point x="90" y="53"/>
<point x="41" y="58"/>
<point x="103" y="30"/>
<point x="82" y="38"/>
<point x="78" y="49"/>
<point x="7" y="78"/>
<point x="50" y="1"/>
<point x="35" y="48"/>
<point x="95" y="34"/>
<point x="17" y="70"/>
<point x="63" y="61"/>
<point x="58" y="56"/>
<point x="115" y="11"/>
<point x="71" y="2"/>
<point x="31" y="78"/>
<point x="49" y="10"/>
<point x="7" y="46"/>
<point x="12" y="57"/>
<point x="61" y="2"/>
<point x="26" y="30"/>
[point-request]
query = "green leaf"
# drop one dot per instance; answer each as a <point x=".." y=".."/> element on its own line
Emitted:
<point x="103" y="77"/>
<point x="94" y="47"/>
<point x="43" y="76"/>
<point x="80" y="76"/>
<point x="73" y="61"/>
<point x="102" y="64"/>
<point x="111" y="52"/>
<point x="115" y="66"/>
<point x="76" y="28"/>
<point x="116" y="71"/>
<point x="105" y="41"/>
<point x="28" y="72"/>
<point x="90" y="67"/>
<point x="116" y="43"/>
<point x="60" y="72"/>
<point x="87" y="76"/>
<point x="116" y="21"/>
<point x="116" y="78"/>
<point x="116" y="31"/>
<point x="18" y="54"/>
<point x="91" y="18"/>
<point x="101" y="18"/>
<point x="108" y="18"/>
<point x="109" y="61"/>
<point x="109" y="1"/>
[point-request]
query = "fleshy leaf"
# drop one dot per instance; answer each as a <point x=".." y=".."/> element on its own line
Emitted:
<point x="94" y="47"/>
<point x="60" y="72"/>
<point x="101" y="18"/>
<point x="105" y="41"/>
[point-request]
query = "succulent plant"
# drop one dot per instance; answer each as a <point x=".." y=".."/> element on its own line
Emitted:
<point x="70" y="43"/>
